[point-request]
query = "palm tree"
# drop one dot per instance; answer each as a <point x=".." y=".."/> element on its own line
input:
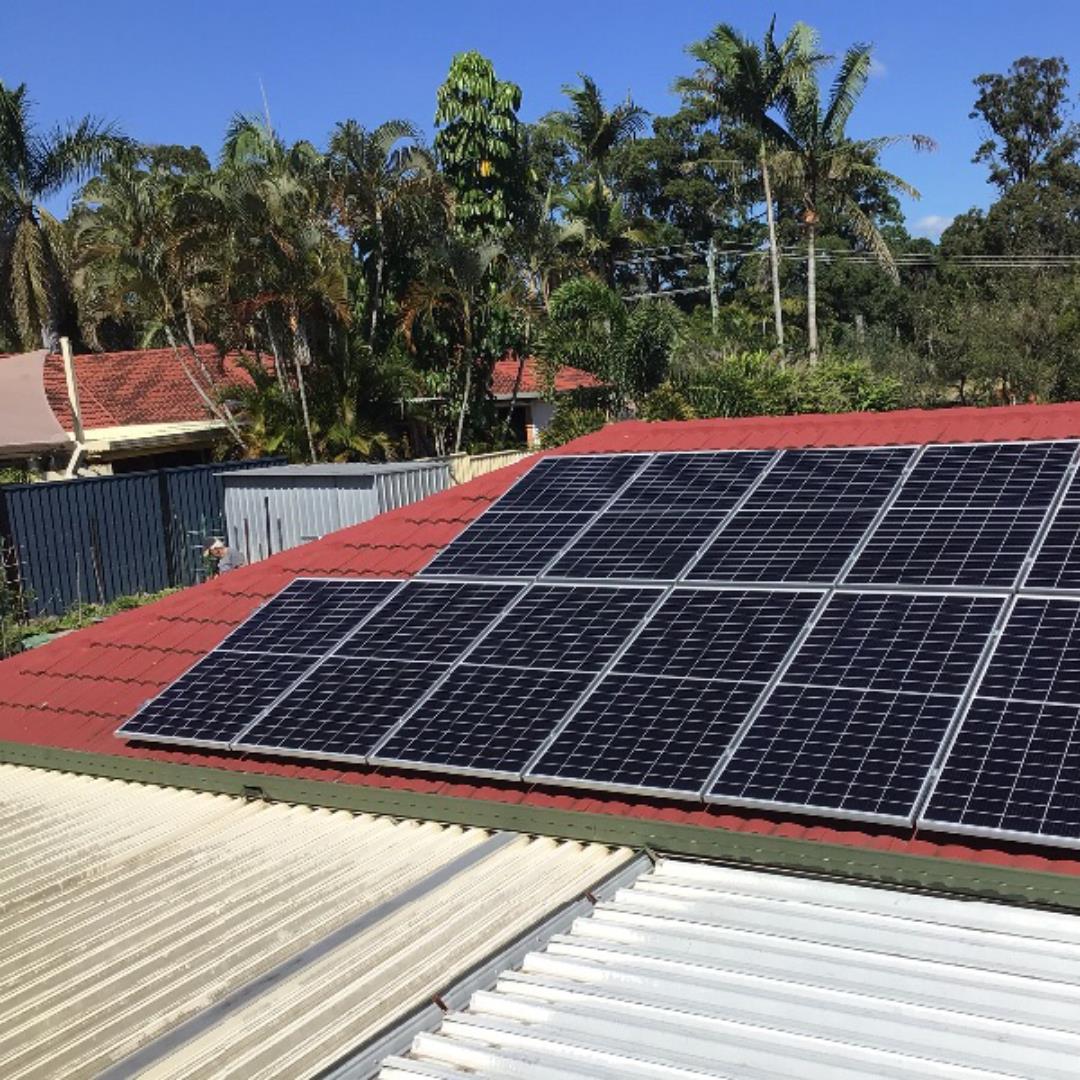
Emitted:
<point x="35" y="165"/>
<point x="818" y="160"/>
<point x="741" y="80"/>
<point x="597" y="227"/>
<point x="591" y="128"/>
<point x="286" y="262"/>
<point x="382" y="181"/>
<point x="454" y="296"/>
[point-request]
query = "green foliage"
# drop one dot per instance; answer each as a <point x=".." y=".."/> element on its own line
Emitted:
<point x="14" y="631"/>
<point x="665" y="403"/>
<point x="571" y="422"/>
<point x="479" y="142"/>
<point x="1027" y="114"/>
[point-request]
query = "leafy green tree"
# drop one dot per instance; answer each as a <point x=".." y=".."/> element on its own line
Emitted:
<point x="828" y="169"/>
<point x="751" y="84"/>
<point x="1026" y="112"/>
<point x="33" y="166"/>
<point x="479" y="142"/>
<point x="592" y="129"/>
<point x="383" y="183"/>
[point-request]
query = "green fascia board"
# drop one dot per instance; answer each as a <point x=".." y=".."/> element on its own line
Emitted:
<point x="872" y="867"/>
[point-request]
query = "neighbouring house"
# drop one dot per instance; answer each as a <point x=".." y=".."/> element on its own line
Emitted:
<point x="143" y="409"/>
<point x="533" y="407"/>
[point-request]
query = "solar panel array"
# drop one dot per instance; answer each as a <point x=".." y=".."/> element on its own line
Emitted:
<point x="879" y="633"/>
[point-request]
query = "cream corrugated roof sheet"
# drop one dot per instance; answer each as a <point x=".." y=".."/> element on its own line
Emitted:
<point x="127" y="909"/>
<point x="702" y="971"/>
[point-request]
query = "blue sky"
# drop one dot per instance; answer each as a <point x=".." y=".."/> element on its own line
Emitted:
<point x="177" y="72"/>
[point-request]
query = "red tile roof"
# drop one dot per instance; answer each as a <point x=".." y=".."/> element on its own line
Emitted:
<point x="74" y="692"/>
<point x="146" y="386"/>
<point x="566" y="378"/>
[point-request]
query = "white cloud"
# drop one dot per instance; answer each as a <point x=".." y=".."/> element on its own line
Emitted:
<point x="877" y="69"/>
<point x="932" y="225"/>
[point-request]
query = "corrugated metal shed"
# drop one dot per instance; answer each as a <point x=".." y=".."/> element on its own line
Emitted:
<point x="158" y="932"/>
<point x="291" y="504"/>
<point x="700" y="970"/>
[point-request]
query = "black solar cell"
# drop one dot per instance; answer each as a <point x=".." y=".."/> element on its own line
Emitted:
<point x="943" y="546"/>
<point x="1058" y="563"/>
<point x="571" y="484"/>
<point x="566" y="626"/>
<point x="1004" y="476"/>
<point x="831" y="479"/>
<point x="735" y="635"/>
<point x="860" y="752"/>
<point x="484" y="720"/>
<point x="790" y="546"/>
<point x="213" y="702"/>
<point x="635" y="546"/>
<point x="651" y="732"/>
<point x="507" y="544"/>
<point x="1038" y="655"/>
<point x="896" y="641"/>
<point x="1014" y="768"/>
<point x="308" y="616"/>
<point x="342" y="708"/>
<point x="707" y="482"/>
<point x="431" y="621"/>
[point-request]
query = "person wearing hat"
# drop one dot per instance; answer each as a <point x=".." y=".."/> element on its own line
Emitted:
<point x="222" y="556"/>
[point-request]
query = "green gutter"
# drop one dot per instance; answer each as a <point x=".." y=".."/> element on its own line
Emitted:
<point x="953" y="876"/>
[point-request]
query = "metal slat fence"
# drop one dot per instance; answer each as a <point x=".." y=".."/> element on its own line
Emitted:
<point x="94" y="539"/>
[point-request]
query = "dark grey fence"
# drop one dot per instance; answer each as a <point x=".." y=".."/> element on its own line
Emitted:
<point x="94" y="539"/>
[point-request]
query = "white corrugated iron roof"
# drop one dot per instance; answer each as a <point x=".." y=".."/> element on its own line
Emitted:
<point x="187" y="934"/>
<point x="700" y="970"/>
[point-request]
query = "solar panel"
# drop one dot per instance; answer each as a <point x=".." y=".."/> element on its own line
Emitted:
<point x="966" y="516"/>
<point x="805" y="518"/>
<point x="788" y="547"/>
<point x="507" y="544"/>
<point x="432" y="621"/>
<point x="1014" y="767"/>
<point x="864" y="753"/>
<point x="649" y="733"/>
<point x="1037" y="657"/>
<point x="1014" y="770"/>
<point x="811" y="479"/>
<point x="342" y="708"/>
<point x="988" y="476"/>
<point x="664" y="714"/>
<point x="943" y="546"/>
<point x="633" y="546"/>
<point x="896" y="641"/>
<point x="309" y="616"/>
<point x="571" y="484"/>
<point x="484" y="720"/>
<point x="213" y="702"/>
<point x="575" y="628"/>
<point x="1058" y="563"/>
<point x="705" y="482"/>
<point x="718" y="634"/>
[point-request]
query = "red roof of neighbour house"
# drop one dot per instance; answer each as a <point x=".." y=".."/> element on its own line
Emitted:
<point x="74" y="692"/>
<point x="145" y="386"/>
<point x="566" y="378"/>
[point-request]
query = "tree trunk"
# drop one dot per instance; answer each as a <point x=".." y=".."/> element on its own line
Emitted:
<point x="811" y="292"/>
<point x="380" y="257"/>
<point x="714" y="300"/>
<point x="774" y="254"/>
<point x="464" y="405"/>
<point x="301" y="356"/>
<point x="518" y="376"/>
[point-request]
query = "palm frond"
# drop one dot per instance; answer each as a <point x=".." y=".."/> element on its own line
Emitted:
<point x="846" y="90"/>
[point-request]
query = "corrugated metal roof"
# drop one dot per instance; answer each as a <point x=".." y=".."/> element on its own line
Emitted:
<point x="127" y="910"/>
<point x="701" y="970"/>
